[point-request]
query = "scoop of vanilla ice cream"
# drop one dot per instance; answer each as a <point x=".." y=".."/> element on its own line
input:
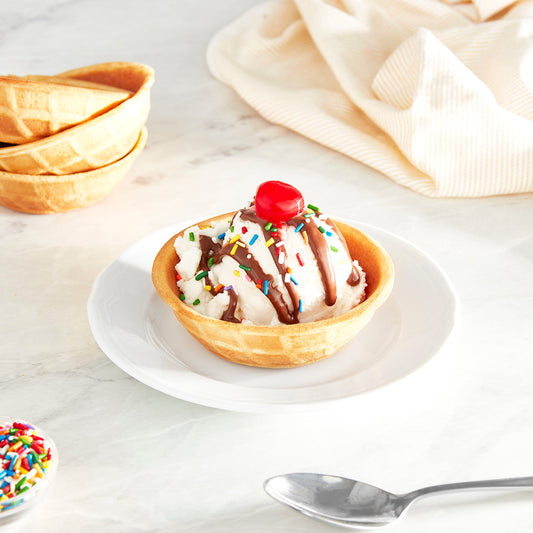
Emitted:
<point x="194" y="291"/>
<point x="256" y="307"/>
<point x="306" y="273"/>
<point x="253" y="306"/>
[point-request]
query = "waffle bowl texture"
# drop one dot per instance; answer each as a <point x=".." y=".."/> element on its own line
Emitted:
<point x="53" y="194"/>
<point x="282" y="346"/>
<point x="94" y="143"/>
<point x="33" y="107"/>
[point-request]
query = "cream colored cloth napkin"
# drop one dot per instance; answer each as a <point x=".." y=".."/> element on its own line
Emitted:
<point x="428" y="92"/>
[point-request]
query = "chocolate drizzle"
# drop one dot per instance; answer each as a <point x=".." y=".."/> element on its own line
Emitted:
<point x="320" y="249"/>
<point x="229" y="314"/>
<point x="208" y="249"/>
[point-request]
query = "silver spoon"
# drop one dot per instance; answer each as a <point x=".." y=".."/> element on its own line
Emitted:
<point x="350" y="503"/>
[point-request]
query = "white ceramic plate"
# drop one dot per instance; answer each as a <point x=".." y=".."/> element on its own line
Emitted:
<point x="141" y="335"/>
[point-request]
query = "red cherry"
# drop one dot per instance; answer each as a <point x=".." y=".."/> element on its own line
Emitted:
<point x="276" y="201"/>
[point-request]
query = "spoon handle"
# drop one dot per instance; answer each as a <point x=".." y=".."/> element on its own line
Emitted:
<point x="505" y="483"/>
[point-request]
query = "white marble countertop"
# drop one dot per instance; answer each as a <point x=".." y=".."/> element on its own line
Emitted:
<point x="134" y="459"/>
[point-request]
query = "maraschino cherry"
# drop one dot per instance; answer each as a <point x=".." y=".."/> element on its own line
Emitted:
<point x="277" y="201"/>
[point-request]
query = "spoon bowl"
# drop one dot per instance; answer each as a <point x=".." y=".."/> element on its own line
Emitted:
<point x="336" y="499"/>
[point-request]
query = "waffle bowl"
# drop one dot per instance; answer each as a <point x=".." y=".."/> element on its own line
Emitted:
<point x="95" y="143"/>
<point x="52" y="194"/>
<point x="282" y="346"/>
<point x="33" y="107"/>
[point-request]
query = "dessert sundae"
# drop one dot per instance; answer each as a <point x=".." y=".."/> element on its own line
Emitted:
<point x="275" y="284"/>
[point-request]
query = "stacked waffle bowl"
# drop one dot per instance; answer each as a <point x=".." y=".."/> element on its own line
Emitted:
<point x="67" y="140"/>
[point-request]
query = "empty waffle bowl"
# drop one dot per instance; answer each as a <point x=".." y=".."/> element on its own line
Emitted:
<point x="94" y="143"/>
<point x="33" y="107"/>
<point x="280" y="346"/>
<point x="52" y="194"/>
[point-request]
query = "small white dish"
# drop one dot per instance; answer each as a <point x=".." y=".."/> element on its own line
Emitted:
<point x="17" y="508"/>
<point x="141" y="335"/>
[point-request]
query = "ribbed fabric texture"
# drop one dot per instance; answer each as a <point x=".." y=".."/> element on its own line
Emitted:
<point x="437" y="95"/>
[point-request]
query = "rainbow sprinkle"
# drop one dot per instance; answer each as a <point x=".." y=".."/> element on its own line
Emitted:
<point x="253" y="239"/>
<point x="200" y="275"/>
<point x="191" y="236"/>
<point x="313" y="207"/>
<point x="235" y="238"/>
<point x="321" y="229"/>
<point x="334" y="249"/>
<point x="268" y="225"/>
<point x="182" y="297"/>
<point x="24" y="461"/>
<point x="265" y="287"/>
<point x="221" y="236"/>
<point x="270" y="242"/>
<point x="300" y="226"/>
<point x="233" y="250"/>
<point x="196" y="302"/>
